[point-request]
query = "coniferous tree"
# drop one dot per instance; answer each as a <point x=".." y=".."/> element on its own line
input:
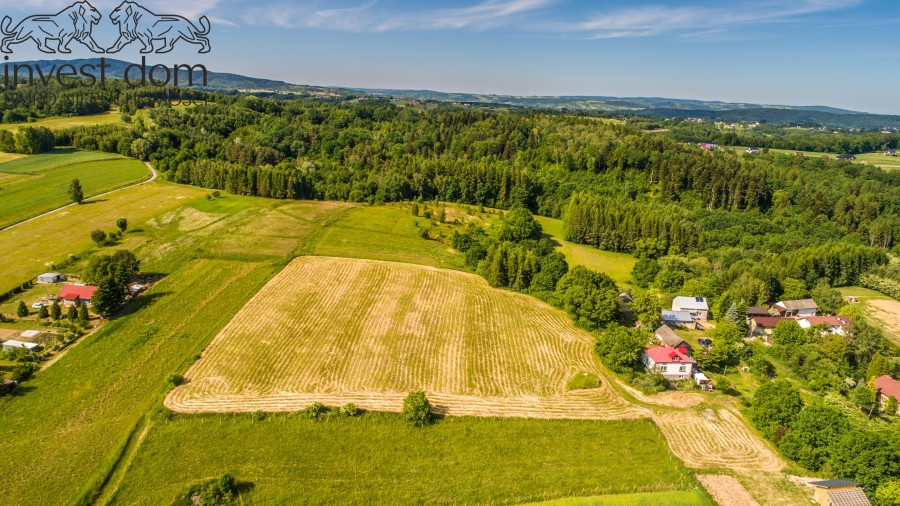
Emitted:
<point x="22" y="310"/>
<point x="83" y="314"/>
<point x="75" y="192"/>
<point x="55" y="310"/>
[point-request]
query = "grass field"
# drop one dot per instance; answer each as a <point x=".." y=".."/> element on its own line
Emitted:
<point x="90" y="402"/>
<point x="40" y="183"/>
<point x="35" y="246"/>
<point x="60" y="123"/>
<point x="885" y="162"/>
<point x="673" y="498"/>
<point x="617" y="265"/>
<point x="379" y="459"/>
<point x="368" y="332"/>
<point x="386" y="233"/>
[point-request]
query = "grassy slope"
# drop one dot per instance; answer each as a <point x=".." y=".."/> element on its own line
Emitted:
<point x="90" y="401"/>
<point x="378" y="458"/>
<point x="216" y="254"/>
<point x="33" y="247"/>
<point x="386" y="233"/>
<point x="684" y="498"/>
<point x="68" y="121"/>
<point x="43" y="181"/>
<point x="617" y="265"/>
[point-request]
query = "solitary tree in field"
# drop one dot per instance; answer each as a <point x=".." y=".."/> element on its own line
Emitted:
<point x="75" y="192"/>
<point x="417" y="409"/>
<point x="122" y="223"/>
<point x="98" y="236"/>
<point x="55" y="310"/>
<point x="22" y="310"/>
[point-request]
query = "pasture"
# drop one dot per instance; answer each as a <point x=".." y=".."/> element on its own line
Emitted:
<point x="34" y="247"/>
<point x="369" y="332"/>
<point x="36" y="184"/>
<point x="387" y="233"/>
<point x="379" y="459"/>
<point x="59" y="123"/>
<point x="885" y="162"/>
<point x="616" y="265"/>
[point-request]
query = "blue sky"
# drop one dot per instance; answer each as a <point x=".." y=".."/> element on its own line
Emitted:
<point x="843" y="53"/>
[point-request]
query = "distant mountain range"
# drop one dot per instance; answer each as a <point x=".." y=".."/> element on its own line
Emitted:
<point x="642" y="106"/>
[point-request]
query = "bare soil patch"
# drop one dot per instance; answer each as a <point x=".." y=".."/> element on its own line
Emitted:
<point x="726" y="490"/>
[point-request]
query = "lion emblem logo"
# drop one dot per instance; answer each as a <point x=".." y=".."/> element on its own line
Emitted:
<point x="75" y="22"/>
<point x="136" y="23"/>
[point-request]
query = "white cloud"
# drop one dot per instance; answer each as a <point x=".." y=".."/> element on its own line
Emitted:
<point x="369" y="17"/>
<point x="653" y="20"/>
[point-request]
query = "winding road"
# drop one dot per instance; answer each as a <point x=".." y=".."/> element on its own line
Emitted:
<point x="153" y="176"/>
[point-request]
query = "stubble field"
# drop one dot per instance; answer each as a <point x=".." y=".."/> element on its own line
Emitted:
<point x="343" y="330"/>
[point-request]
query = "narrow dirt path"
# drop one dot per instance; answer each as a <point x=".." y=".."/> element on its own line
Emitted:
<point x="153" y="176"/>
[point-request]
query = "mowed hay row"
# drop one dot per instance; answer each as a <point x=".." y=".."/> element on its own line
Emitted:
<point x="343" y="330"/>
<point x="720" y="440"/>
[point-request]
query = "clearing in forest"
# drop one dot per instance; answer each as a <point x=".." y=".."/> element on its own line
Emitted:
<point x="343" y="330"/>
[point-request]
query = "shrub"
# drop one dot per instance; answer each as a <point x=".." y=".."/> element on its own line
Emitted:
<point x="315" y="410"/>
<point x="257" y="416"/>
<point x="122" y="223"/>
<point x="98" y="236"/>
<point x="417" y="409"/>
<point x="349" y="409"/>
<point x="22" y="310"/>
<point x="175" y="380"/>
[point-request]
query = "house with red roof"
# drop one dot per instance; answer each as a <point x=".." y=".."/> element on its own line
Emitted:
<point x="672" y="363"/>
<point x="765" y="325"/>
<point x="839" y="325"/>
<point x="886" y="387"/>
<point x="76" y="295"/>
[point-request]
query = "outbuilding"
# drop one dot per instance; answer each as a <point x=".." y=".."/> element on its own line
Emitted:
<point x="839" y="493"/>
<point x="13" y="345"/>
<point x="50" y="277"/>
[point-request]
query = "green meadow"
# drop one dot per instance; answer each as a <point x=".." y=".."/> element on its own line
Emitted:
<point x="616" y="265"/>
<point x="36" y="184"/>
<point x="59" y="123"/>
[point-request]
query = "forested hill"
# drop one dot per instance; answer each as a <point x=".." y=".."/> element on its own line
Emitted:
<point x="634" y="106"/>
<point x="220" y="81"/>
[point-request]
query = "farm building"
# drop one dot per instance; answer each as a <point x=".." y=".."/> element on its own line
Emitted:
<point x="890" y="152"/>
<point x="697" y="306"/>
<point x="839" y="325"/>
<point x="886" y="387"/>
<point x="839" y="493"/>
<point x="757" y="311"/>
<point x="678" y="318"/>
<point x="846" y="156"/>
<point x="50" y="277"/>
<point x="752" y="151"/>
<point x="801" y="308"/>
<point x="75" y="295"/>
<point x="668" y="337"/>
<point x="12" y="345"/>
<point x="672" y="363"/>
<point x="851" y="299"/>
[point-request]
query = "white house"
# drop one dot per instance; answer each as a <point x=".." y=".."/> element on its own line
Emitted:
<point x="672" y="363"/>
<point x="799" y="308"/>
<point x="697" y="306"/>
<point x="839" y="325"/>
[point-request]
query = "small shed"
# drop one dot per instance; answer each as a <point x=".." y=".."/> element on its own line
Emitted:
<point x="851" y="299"/>
<point x="839" y="493"/>
<point x="50" y="277"/>
<point x="668" y="337"/>
<point x="13" y="344"/>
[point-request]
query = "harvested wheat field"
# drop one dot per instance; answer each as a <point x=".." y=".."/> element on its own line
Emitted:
<point x="716" y="439"/>
<point x="337" y="330"/>
<point x="726" y="490"/>
<point x="887" y="313"/>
